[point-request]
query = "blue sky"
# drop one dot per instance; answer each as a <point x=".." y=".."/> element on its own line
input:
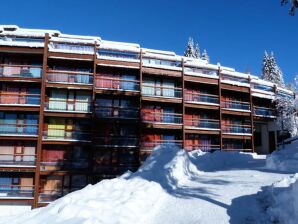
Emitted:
<point x="234" y="32"/>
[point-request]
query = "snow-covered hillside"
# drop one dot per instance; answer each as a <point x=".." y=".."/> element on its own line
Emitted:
<point x="174" y="186"/>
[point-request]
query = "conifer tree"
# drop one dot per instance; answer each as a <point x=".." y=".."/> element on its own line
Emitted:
<point x="205" y="56"/>
<point x="197" y="51"/>
<point x="294" y="4"/>
<point x="190" y="51"/>
<point x="271" y="71"/>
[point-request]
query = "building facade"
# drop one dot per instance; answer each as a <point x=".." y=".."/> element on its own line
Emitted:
<point x="78" y="109"/>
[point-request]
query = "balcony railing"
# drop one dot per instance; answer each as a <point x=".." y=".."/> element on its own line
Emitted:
<point x="19" y="99"/>
<point x="54" y="194"/>
<point x="80" y="78"/>
<point x="202" y="147"/>
<point x="72" y="47"/>
<point x="264" y="111"/>
<point x="20" y="71"/>
<point x="18" y="129"/>
<point x="105" y="82"/>
<point x="201" y="71"/>
<point x="118" y="54"/>
<point x="117" y="112"/>
<point x="159" y="117"/>
<point x="148" y="146"/>
<point x="234" y="79"/>
<point x="22" y="39"/>
<point x="68" y="105"/>
<point x="263" y="87"/>
<point x="161" y="62"/>
<point x="236" y="128"/>
<point x="201" y="98"/>
<point x="16" y="191"/>
<point x="202" y="123"/>
<point x="117" y="141"/>
<point x="161" y="91"/>
<point x="229" y="104"/>
<point x="63" y="164"/>
<point x="61" y="134"/>
<point x="17" y="159"/>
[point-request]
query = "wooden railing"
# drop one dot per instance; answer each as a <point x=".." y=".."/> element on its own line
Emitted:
<point x="17" y="159"/>
<point x="148" y="146"/>
<point x="22" y="71"/>
<point x="16" y="191"/>
<point x="66" y="134"/>
<point x="117" y="141"/>
<point x="74" y="105"/>
<point x="116" y="112"/>
<point x="202" y="147"/>
<point x="62" y="164"/>
<point x="201" y="97"/>
<point x="18" y="128"/>
<point x="115" y="83"/>
<point x="162" y="91"/>
<point x="264" y="111"/>
<point x="233" y="104"/>
<point x="160" y="117"/>
<point x="202" y="123"/>
<point x="236" y="128"/>
<point x="70" y="77"/>
<point x="19" y="99"/>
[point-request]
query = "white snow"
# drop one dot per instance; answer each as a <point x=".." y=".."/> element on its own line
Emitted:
<point x="235" y="83"/>
<point x="174" y="186"/>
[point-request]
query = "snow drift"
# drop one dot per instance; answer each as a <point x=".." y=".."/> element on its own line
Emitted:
<point x="280" y="201"/>
<point x="285" y="160"/>
<point x="130" y="198"/>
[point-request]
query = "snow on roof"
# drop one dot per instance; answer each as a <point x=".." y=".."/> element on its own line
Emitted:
<point x="168" y="53"/>
<point x="198" y="63"/>
<point x="13" y="30"/>
<point x="285" y="90"/>
<point x="74" y="39"/>
<point x="262" y="82"/>
<point x="162" y="55"/>
<point x="120" y="46"/>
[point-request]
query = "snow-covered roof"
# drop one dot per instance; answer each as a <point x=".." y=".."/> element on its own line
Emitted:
<point x="162" y="55"/>
<point x="119" y="46"/>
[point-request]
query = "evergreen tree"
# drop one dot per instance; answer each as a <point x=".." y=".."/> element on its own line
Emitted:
<point x="197" y="51"/>
<point x="190" y="51"/>
<point x="205" y="56"/>
<point x="294" y="4"/>
<point x="271" y="71"/>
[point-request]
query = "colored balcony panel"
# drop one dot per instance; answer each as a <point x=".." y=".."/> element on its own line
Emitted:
<point x="265" y="112"/>
<point x="161" y="62"/>
<point x="235" y="79"/>
<point x="201" y="71"/>
<point x="18" y="124"/>
<point x="205" y="143"/>
<point x="17" y="154"/>
<point x="236" y="129"/>
<point x="13" y="187"/>
<point x="164" y="89"/>
<point x="236" y="145"/>
<point x="196" y="122"/>
<point x="237" y="105"/>
<point x="156" y="114"/>
<point x="263" y="87"/>
<point x="114" y="82"/>
<point x="53" y="187"/>
<point x="22" y="71"/>
<point x="69" y="100"/>
<point x="197" y="97"/>
<point x="68" y="47"/>
<point x="79" y="78"/>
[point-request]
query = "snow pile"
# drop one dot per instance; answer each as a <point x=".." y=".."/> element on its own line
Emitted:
<point x="131" y="198"/>
<point x="220" y="160"/>
<point x="280" y="201"/>
<point x="285" y="160"/>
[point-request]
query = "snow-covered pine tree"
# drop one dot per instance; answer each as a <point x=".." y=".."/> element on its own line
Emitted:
<point x="205" y="56"/>
<point x="197" y="51"/>
<point x="271" y="71"/>
<point x="190" y="51"/>
<point x="294" y="4"/>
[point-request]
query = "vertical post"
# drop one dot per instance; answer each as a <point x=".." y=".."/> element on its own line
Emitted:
<point x="183" y="104"/>
<point x="220" y="114"/>
<point x="251" y="116"/>
<point x="140" y="103"/>
<point x="93" y="115"/>
<point x="41" y="120"/>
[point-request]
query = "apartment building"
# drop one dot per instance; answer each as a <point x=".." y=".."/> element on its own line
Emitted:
<point x="78" y="109"/>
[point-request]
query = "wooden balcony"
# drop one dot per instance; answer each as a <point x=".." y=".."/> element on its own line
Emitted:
<point x="114" y="141"/>
<point x="19" y="102"/>
<point x="18" y="130"/>
<point x="235" y="107"/>
<point x="161" y="120"/>
<point x="70" y="79"/>
<point x="202" y="126"/>
<point x="236" y="131"/>
<point x="202" y="147"/>
<point x="264" y="112"/>
<point x="126" y="59"/>
<point x="22" y="192"/>
<point x="148" y="146"/>
<point x="117" y="112"/>
<point x="58" y="135"/>
<point x="161" y="93"/>
<point x="115" y="85"/>
<point x="201" y="100"/>
<point x="17" y="160"/>
<point x="20" y="73"/>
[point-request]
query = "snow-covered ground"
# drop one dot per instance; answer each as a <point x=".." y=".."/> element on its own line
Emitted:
<point x="174" y="186"/>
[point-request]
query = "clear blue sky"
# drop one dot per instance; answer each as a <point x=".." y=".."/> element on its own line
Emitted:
<point x="234" y="32"/>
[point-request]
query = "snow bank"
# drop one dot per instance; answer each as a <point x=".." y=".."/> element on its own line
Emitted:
<point x="131" y="198"/>
<point x="280" y="201"/>
<point x="221" y="160"/>
<point x="285" y="160"/>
